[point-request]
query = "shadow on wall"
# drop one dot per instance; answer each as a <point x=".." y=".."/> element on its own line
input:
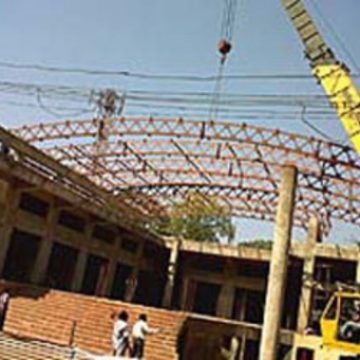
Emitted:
<point x="23" y="290"/>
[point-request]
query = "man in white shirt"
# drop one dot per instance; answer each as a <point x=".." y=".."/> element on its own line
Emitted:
<point x="120" y="337"/>
<point x="4" y="302"/>
<point x="140" y="330"/>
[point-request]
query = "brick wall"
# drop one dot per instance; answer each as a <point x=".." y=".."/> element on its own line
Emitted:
<point x="51" y="316"/>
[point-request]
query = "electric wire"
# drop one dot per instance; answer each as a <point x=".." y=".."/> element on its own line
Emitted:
<point x="171" y="111"/>
<point x="76" y="94"/>
<point x="335" y="35"/>
<point x="159" y="77"/>
<point x="313" y="127"/>
<point x="55" y="100"/>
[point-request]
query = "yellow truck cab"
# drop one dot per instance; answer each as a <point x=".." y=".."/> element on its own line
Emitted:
<point x="340" y="323"/>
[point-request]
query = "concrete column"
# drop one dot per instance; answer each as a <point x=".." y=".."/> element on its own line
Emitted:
<point x="308" y="274"/>
<point x="132" y="282"/>
<point x="43" y="255"/>
<point x="184" y="292"/>
<point x="243" y="348"/>
<point x="171" y="273"/>
<point x="227" y="294"/>
<point x="112" y="268"/>
<point x="226" y="301"/>
<point x="79" y="272"/>
<point x="81" y="263"/>
<point x="244" y="299"/>
<point x="278" y="266"/>
<point x="358" y="269"/>
<point x="9" y="204"/>
<point x="110" y="276"/>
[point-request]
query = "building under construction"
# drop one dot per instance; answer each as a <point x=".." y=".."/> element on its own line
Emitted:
<point x="77" y="198"/>
<point x="63" y="231"/>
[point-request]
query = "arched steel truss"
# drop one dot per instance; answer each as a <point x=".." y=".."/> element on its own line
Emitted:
<point x="154" y="161"/>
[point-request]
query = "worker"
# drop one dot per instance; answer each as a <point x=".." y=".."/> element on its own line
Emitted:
<point x="120" y="337"/>
<point x="140" y="330"/>
<point x="352" y="326"/>
<point x="4" y="303"/>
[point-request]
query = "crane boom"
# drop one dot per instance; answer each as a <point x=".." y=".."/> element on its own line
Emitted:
<point x="332" y="75"/>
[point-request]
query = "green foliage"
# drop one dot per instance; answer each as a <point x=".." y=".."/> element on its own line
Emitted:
<point x="198" y="218"/>
<point x="258" y="244"/>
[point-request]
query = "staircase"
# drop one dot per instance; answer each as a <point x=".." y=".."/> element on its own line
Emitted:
<point x="68" y="319"/>
<point x="16" y="349"/>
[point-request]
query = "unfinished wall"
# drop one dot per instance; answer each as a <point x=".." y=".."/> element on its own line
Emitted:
<point x="68" y="248"/>
<point x="53" y="316"/>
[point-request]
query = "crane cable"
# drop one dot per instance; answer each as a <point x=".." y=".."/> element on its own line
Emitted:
<point x="228" y="20"/>
<point x="224" y="48"/>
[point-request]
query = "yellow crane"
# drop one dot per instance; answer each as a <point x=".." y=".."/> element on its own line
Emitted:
<point x="340" y="321"/>
<point x="340" y="331"/>
<point x="333" y="75"/>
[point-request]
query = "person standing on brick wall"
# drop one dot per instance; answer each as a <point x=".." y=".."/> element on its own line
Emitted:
<point x="120" y="337"/>
<point x="4" y="303"/>
<point x="140" y="330"/>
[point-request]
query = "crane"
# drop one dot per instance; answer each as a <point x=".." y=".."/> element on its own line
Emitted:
<point x="340" y="321"/>
<point x="333" y="75"/>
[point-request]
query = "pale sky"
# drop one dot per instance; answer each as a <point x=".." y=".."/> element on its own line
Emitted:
<point x="170" y="37"/>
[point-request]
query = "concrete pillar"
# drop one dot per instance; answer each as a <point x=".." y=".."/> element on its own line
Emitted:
<point x="79" y="272"/>
<point x="132" y="281"/>
<point x="278" y="266"/>
<point x="81" y="263"/>
<point x="43" y="255"/>
<point x="9" y="203"/>
<point x="308" y="274"/>
<point x="184" y="292"/>
<point x="243" y="303"/>
<point x="110" y="276"/>
<point x="113" y="262"/>
<point x="171" y="273"/>
<point x="227" y="294"/>
<point x="226" y="301"/>
<point x="358" y="269"/>
<point x="243" y="348"/>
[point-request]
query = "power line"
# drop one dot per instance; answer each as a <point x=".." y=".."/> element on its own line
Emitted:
<point x="336" y="36"/>
<point x="79" y="94"/>
<point x="54" y="100"/>
<point x="148" y="76"/>
<point x="315" y="128"/>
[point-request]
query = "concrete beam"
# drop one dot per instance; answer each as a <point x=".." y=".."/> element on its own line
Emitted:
<point x="10" y="169"/>
<point x="298" y="249"/>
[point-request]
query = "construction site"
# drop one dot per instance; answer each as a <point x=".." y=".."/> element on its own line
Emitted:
<point x="80" y="197"/>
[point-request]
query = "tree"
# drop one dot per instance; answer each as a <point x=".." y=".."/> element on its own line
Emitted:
<point x="258" y="244"/>
<point x="197" y="217"/>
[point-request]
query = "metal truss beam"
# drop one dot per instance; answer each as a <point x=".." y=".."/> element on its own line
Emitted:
<point x="150" y="160"/>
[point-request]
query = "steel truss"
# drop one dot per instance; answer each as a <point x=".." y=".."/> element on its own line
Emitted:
<point x="153" y="162"/>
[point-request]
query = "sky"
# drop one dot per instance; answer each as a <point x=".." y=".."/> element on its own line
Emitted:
<point x="170" y="37"/>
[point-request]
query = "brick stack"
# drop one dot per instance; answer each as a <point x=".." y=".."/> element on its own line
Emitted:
<point x="86" y="322"/>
